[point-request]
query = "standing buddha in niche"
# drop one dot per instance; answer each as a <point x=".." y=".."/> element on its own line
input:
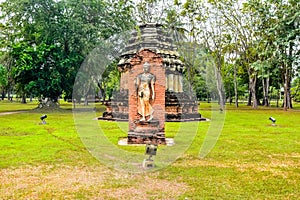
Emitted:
<point x="145" y="90"/>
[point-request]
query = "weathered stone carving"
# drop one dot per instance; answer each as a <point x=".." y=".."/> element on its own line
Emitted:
<point x="145" y="88"/>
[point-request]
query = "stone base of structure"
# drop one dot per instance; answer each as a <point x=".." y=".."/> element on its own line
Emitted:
<point x="146" y="138"/>
<point x="146" y="132"/>
<point x="179" y="108"/>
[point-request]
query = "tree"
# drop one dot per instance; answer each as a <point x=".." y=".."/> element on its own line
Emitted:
<point x="278" y="27"/>
<point x="214" y="35"/>
<point x="259" y="38"/>
<point x="240" y="44"/>
<point x="295" y="90"/>
<point x="152" y="11"/>
<point x="36" y="72"/>
<point x="3" y="78"/>
<point x="49" y="40"/>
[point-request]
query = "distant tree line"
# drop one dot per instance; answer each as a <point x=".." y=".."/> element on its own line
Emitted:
<point x="242" y="48"/>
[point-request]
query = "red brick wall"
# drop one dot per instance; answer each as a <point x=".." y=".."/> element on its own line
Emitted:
<point x="158" y="70"/>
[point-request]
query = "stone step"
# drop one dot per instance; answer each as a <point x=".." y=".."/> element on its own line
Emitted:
<point x="152" y="122"/>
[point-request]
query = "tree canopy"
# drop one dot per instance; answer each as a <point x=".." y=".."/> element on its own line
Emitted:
<point x="48" y="40"/>
<point x="251" y="47"/>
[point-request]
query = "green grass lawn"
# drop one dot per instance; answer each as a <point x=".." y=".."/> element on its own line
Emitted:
<point x="13" y="106"/>
<point x="251" y="160"/>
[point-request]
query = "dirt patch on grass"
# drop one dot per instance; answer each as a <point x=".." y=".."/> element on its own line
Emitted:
<point x="82" y="182"/>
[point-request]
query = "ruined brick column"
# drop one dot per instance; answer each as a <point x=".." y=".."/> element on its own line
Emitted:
<point x="142" y="132"/>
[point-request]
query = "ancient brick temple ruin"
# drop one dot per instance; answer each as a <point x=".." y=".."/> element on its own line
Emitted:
<point x="151" y="46"/>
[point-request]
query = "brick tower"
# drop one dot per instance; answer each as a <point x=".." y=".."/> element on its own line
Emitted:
<point x="152" y="45"/>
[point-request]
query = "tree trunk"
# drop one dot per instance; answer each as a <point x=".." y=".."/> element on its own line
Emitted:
<point x="86" y="102"/>
<point x="8" y="95"/>
<point x="249" y="96"/>
<point x="287" y="100"/>
<point x="220" y="88"/>
<point x="266" y="83"/>
<point x="101" y="93"/>
<point x="48" y="103"/>
<point x="229" y="94"/>
<point x="3" y="94"/>
<point x="208" y="97"/>
<point x="23" y="98"/>
<point x="252" y="85"/>
<point x="278" y="97"/>
<point x="236" y="98"/>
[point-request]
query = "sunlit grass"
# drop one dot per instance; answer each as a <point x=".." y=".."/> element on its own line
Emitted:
<point x="251" y="160"/>
<point x="10" y="106"/>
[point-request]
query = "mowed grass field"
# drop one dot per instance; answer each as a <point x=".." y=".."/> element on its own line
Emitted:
<point x="251" y="160"/>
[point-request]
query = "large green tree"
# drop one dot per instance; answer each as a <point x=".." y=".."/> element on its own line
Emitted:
<point x="277" y="29"/>
<point x="48" y="40"/>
